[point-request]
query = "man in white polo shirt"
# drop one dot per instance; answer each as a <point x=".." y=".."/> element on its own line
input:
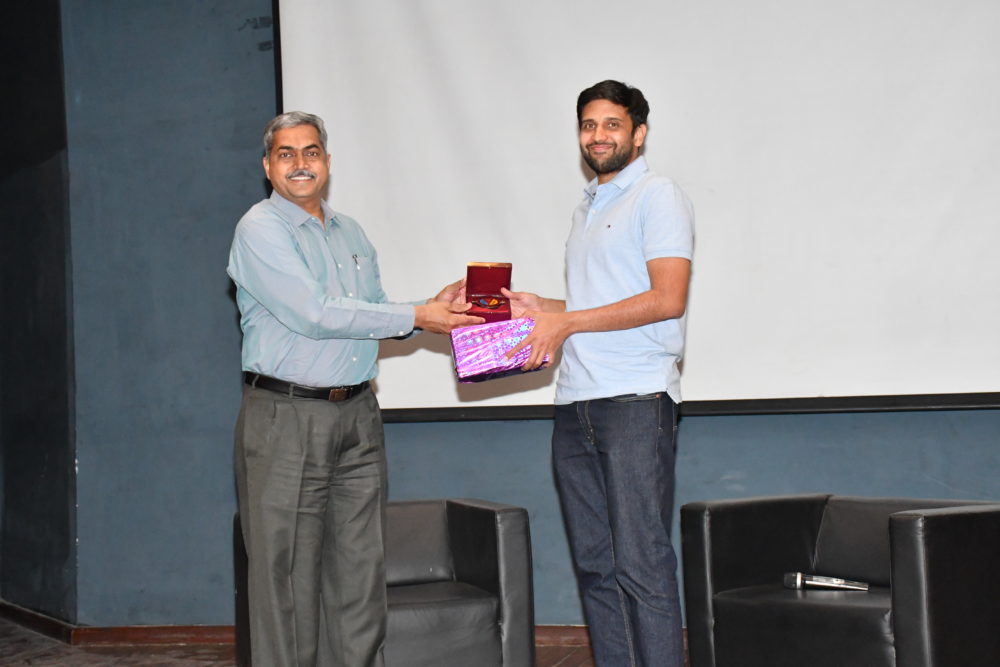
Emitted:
<point x="628" y="263"/>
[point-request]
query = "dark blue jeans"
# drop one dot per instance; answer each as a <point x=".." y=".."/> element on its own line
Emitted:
<point x="614" y="466"/>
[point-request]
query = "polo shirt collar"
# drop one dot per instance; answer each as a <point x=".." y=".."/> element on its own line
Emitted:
<point x="624" y="178"/>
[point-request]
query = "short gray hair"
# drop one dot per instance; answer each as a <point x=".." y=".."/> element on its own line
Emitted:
<point x="292" y="119"/>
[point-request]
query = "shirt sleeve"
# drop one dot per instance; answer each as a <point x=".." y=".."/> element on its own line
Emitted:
<point x="667" y="223"/>
<point x="265" y="262"/>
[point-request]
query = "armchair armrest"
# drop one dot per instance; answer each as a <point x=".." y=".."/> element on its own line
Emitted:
<point x="491" y="548"/>
<point x="945" y="585"/>
<point x="734" y="543"/>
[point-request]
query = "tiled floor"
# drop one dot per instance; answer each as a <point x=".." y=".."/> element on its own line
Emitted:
<point x="20" y="647"/>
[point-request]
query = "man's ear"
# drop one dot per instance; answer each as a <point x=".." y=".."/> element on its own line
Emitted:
<point x="267" y="167"/>
<point x="639" y="136"/>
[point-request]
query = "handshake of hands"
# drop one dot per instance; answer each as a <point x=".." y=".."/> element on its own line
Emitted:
<point x="446" y="311"/>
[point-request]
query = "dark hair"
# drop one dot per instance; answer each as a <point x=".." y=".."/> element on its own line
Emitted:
<point x="619" y="93"/>
<point x="292" y="119"/>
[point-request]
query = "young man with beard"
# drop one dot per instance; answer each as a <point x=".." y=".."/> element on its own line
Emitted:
<point x="310" y="456"/>
<point x="628" y="263"/>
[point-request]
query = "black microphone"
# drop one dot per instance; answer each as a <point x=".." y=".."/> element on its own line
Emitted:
<point x="799" y="580"/>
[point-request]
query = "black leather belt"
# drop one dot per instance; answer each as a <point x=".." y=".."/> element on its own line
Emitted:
<point x="299" y="391"/>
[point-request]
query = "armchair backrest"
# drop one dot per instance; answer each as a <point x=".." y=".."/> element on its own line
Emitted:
<point x="417" y="548"/>
<point x="853" y="539"/>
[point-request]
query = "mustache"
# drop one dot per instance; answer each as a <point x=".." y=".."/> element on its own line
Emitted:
<point x="302" y="172"/>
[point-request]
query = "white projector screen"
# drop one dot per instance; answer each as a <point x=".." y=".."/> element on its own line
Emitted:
<point x="843" y="159"/>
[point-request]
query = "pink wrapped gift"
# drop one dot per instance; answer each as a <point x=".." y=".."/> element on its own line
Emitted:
<point x="479" y="350"/>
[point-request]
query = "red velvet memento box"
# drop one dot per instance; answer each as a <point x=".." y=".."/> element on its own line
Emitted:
<point x="483" y="281"/>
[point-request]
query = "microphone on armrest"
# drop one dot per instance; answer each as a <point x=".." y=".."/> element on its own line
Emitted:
<point x="800" y="580"/>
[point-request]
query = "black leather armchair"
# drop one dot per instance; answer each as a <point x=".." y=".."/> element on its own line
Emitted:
<point x="459" y="585"/>
<point x="934" y="597"/>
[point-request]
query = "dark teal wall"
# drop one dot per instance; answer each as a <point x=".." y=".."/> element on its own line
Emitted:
<point x="165" y="101"/>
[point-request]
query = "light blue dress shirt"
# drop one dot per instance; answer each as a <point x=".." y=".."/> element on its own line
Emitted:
<point x="310" y="297"/>
<point x="619" y="226"/>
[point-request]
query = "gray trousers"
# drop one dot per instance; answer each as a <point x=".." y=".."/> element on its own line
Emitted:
<point x="311" y="485"/>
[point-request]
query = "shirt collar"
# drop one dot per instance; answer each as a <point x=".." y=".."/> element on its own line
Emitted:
<point x="295" y="213"/>
<point x="624" y="178"/>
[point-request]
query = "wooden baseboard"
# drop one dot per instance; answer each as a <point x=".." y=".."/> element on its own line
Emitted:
<point x="151" y="635"/>
<point x="155" y="635"/>
<point x="216" y="635"/>
<point x="561" y="635"/>
<point x="570" y="635"/>
<point x="138" y="635"/>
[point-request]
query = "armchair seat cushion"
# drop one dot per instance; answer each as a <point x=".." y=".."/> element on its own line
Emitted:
<point x="460" y="617"/>
<point x="458" y="585"/>
<point x="772" y="626"/>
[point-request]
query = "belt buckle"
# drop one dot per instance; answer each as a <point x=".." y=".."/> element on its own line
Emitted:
<point x="338" y="394"/>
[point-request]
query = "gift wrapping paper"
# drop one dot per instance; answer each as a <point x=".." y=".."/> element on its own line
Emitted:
<point x="479" y="350"/>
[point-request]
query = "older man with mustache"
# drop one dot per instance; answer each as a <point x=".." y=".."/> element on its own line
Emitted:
<point x="309" y="454"/>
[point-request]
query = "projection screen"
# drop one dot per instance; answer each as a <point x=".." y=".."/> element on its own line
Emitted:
<point x="842" y="159"/>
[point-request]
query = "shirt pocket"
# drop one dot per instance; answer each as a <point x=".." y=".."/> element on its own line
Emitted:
<point x="364" y="271"/>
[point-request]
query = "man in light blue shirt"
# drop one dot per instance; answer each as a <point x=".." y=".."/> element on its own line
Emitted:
<point x="309" y="456"/>
<point x="628" y="263"/>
